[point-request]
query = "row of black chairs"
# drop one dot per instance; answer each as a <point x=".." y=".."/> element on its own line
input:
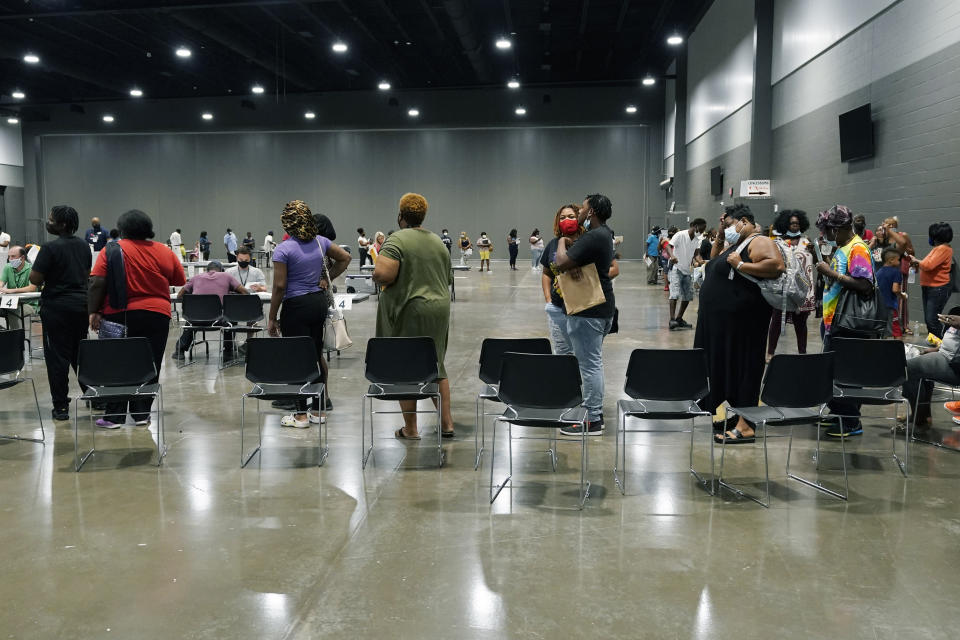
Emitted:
<point x="236" y="314"/>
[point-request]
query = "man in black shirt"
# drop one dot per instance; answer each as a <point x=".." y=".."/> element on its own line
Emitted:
<point x="587" y="328"/>
<point x="96" y="236"/>
<point x="62" y="268"/>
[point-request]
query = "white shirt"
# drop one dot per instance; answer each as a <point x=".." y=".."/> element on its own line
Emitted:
<point x="4" y="239"/>
<point x="175" y="239"/>
<point x="268" y="243"/>
<point x="251" y="275"/>
<point x="683" y="248"/>
<point x="362" y="242"/>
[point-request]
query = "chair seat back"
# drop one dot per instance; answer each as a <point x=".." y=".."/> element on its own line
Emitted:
<point x="492" y="350"/>
<point x="239" y="309"/>
<point x="862" y="362"/>
<point x="667" y="374"/>
<point x="540" y="381"/>
<point x="117" y="362"/>
<point x="799" y="381"/>
<point x="401" y="360"/>
<point x="202" y="307"/>
<point x="11" y="351"/>
<point x="282" y="361"/>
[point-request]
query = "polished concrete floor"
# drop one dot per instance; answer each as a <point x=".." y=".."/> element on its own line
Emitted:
<point x="199" y="548"/>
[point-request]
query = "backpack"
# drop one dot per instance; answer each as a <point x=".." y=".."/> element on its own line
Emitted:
<point x="787" y="291"/>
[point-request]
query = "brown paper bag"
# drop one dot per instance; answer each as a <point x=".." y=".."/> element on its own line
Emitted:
<point x="582" y="294"/>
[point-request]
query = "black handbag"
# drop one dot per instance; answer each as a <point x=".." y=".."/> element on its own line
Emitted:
<point x="860" y="314"/>
<point x="110" y="329"/>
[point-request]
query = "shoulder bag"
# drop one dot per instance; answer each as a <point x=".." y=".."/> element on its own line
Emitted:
<point x="861" y="314"/>
<point x="585" y="293"/>
<point x="335" y="335"/>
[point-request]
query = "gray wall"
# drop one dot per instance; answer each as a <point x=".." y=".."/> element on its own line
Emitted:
<point x="475" y="179"/>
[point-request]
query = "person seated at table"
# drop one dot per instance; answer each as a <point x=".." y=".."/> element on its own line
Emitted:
<point x="212" y="281"/>
<point x="249" y="276"/>
<point x="934" y="364"/>
<point x="15" y="279"/>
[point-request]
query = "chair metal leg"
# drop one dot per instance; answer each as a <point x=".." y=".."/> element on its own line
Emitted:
<point x="584" y="461"/>
<point x="817" y="485"/>
<point x="621" y="429"/>
<point x="906" y="440"/>
<point x="244" y="460"/>
<point x="439" y="432"/>
<point x="364" y="451"/>
<point x="161" y="436"/>
<point x="493" y="460"/>
<point x="700" y="479"/>
<point x="79" y="461"/>
<point x="739" y="492"/>
<point x="477" y="446"/>
<point x="323" y="430"/>
<point x="43" y="433"/>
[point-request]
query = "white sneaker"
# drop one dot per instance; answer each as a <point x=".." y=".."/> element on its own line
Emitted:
<point x="291" y="421"/>
<point x="316" y="419"/>
<point x="143" y="423"/>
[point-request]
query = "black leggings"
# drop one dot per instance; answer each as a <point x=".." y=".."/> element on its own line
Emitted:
<point x="63" y="329"/>
<point x="304" y="316"/>
<point x="140" y="324"/>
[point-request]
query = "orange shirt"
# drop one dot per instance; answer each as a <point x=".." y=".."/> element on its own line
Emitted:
<point x="935" y="268"/>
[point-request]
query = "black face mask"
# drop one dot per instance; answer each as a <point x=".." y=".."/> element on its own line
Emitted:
<point x="52" y="229"/>
<point x="243" y="264"/>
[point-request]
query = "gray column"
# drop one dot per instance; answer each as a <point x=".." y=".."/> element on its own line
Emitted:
<point x="680" y="133"/>
<point x="760" y="127"/>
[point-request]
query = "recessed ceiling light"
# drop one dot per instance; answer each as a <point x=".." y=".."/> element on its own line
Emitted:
<point x="631" y="109"/>
<point x="31" y="58"/>
<point x="207" y="115"/>
<point x="649" y="81"/>
<point x="674" y="40"/>
<point x="514" y="84"/>
<point x="108" y="118"/>
<point x="136" y="93"/>
<point x="503" y="44"/>
<point x="13" y="121"/>
<point x="18" y="95"/>
<point x="183" y="52"/>
<point x="520" y="111"/>
<point x="384" y="86"/>
<point x="257" y="89"/>
<point x="413" y="113"/>
<point x="339" y="47"/>
<point x="309" y="115"/>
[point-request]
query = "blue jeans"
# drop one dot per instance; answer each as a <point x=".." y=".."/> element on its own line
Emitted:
<point x="586" y="339"/>
<point x="557" y="324"/>
<point x="535" y="257"/>
<point x="934" y="300"/>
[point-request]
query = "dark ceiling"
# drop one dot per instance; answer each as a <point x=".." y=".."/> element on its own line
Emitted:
<point x="100" y="49"/>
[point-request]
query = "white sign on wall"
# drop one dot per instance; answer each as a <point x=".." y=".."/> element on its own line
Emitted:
<point x="755" y="188"/>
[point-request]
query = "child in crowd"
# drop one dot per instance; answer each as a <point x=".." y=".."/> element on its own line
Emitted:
<point x="485" y="247"/>
<point x="889" y="281"/>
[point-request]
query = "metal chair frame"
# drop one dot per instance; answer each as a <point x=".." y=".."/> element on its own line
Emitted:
<point x="308" y="390"/>
<point x="912" y="424"/>
<point x="202" y="330"/>
<point x="383" y="393"/>
<point x="9" y="383"/>
<point x="234" y="326"/>
<point x="79" y="460"/>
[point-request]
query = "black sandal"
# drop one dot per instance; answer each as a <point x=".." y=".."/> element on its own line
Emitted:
<point x="447" y="434"/>
<point x="737" y="437"/>
<point x="400" y="435"/>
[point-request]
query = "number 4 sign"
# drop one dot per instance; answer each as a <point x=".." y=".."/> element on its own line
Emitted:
<point x="9" y="302"/>
<point x="343" y="302"/>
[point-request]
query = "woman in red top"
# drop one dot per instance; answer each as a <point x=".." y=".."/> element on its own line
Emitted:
<point x="934" y="273"/>
<point x="151" y="269"/>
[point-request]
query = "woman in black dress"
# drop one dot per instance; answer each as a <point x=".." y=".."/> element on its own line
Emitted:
<point x="733" y="319"/>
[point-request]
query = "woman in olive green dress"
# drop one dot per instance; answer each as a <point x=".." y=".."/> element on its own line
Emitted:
<point x="414" y="270"/>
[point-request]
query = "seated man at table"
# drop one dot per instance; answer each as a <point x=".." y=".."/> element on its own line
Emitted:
<point x="15" y="278"/>
<point x="212" y="281"/>
<point x="249" y="276"/>
<point x="935" y="364"/>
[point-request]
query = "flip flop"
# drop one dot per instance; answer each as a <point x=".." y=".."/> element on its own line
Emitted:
<point x="738" y="438"/>
<point x="400" y="435"/>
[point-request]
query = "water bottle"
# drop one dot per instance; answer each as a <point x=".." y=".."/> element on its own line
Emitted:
<point x="916" y="327"/>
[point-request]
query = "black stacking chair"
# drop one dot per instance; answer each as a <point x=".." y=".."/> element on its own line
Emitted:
<point x="663" y="384"/>
<point x="491" y="357"/>
<point x="282" y="369"/>
<point x="872" y="372"/>
<point x="400" y="369"/>
<point x="540" y="391"/>
<point x="202" y="312"/>
<point x="12" y="362"/>
<point x="116" y="370"/>
<point x="795" y="391"/>
<point x="241" y="315"/>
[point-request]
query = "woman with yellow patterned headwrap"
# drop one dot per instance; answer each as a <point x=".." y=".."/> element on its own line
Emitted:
<point x="299" y="285"/>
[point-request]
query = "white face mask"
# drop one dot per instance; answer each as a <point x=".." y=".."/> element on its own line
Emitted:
<point x="16" y="262"/>
<point x="793" y="234"/>
<point x="730" y="234"/>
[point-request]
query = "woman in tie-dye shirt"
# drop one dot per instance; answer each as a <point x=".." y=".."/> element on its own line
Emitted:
<point x="851" y="267"/>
